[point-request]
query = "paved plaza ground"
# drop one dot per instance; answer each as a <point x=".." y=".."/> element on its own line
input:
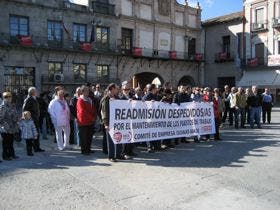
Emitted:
<point x="241" y="172"/>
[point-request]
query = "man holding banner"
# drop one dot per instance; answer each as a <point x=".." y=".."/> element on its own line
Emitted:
<point x="138" y="121"/>
<point x="114" y="150"/>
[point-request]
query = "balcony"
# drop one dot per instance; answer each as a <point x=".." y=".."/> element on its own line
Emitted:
<point x="69" y="80"/>
<point x="60" y="45"/>
<point x="223" y="57"/>
<point x="276" y="22"/>
<point x="253" y="63"/>
<point x="259" y="26"/>
<point x="138" y="52"/>
<point x="103" y="8"/>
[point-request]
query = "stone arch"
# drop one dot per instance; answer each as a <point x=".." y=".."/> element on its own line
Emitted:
<point x="187" y="81"/>
<point x="144" y="78"/>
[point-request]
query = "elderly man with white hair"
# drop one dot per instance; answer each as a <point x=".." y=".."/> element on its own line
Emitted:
<point x="31" y="104"/>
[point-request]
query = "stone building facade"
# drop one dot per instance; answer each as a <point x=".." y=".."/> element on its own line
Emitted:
<point x="47" y="43"/>
<point x="164" y="41"/>
<point x="262" y="45"/>
<point x="223" y="40"/>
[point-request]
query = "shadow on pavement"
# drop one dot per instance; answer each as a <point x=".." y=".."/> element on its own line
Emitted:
<point x="236" y="145"/>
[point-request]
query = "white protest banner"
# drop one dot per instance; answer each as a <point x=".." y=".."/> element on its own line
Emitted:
<point x="138" y="121"/>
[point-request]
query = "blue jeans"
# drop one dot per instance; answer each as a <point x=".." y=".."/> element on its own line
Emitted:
<point x="76" y="133"/>
<point x="255" y="116"/>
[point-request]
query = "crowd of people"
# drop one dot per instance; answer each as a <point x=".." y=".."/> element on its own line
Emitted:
<point x="74" y="120"/>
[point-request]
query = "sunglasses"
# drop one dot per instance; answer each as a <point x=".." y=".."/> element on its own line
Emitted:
<point x="7" y="96"/>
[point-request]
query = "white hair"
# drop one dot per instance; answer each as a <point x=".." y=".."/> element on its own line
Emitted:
<point x="31" y="90"/>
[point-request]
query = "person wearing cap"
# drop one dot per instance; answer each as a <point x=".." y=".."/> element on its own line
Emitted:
<point x="8" y="126"/>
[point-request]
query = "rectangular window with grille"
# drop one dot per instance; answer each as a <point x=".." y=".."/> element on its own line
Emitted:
<point x="79" y="71"/>
<point x="102" y="71"/>
<point x="55" y="69"/>
<point x="127" y="39"/>
<point x="18" y="78"/>
<point x="19" y="25"/>
<point x="79" y="32"/>
<point x="54" y="33"/>
<point x="226" y="44"/>
<point x="102" y="37"/>
<point x="192" y="47"/>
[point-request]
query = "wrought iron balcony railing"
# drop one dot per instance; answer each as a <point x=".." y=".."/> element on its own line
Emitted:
<point x="103" y="8"/>
<point x="58" y="44"/>
<point x="223" y="57"/>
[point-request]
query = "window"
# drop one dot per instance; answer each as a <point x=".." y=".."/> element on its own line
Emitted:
<point x="126" y="39"/>
<point x="259" y="53"/>
<point x="79" y="32"/>
<point x="54" y="68"/>
<point x="103" y="7"/>
<point x="226" y="44"/>
<point x="192" y="47"/>
<point x="19" y="25"/>
<point x="102" y="71"/>
<point x="18" y="78"/>
<point x="79" y="72"/>
<point x="260" y="15"/>
<point x="102" y="37"/>
<point x="54" y="31"/>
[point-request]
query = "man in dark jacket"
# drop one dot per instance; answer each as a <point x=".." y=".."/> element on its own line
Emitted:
<point x="182" y="97"/>
<point x="114" y="150"/>
<point x="151" y="95"/>
<point x="74" y="135"/>
<point x="31" y="104"/>
<point x="254" y="102"/>
<point x="127" y="149"/>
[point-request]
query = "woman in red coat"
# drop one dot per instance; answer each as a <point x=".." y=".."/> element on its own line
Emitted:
<point x="86" y="115"/>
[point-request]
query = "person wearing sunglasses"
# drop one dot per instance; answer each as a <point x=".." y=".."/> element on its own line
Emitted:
<point x="8" y="126"/>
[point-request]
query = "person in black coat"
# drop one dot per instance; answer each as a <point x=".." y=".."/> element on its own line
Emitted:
<point x="127" y="149"/>
<point x="31" y="104"/>
<point x="182" y="96"/>
<point x="151" y="95"/>
<point x="74" y="136"/>
<point x="254" y="102"/>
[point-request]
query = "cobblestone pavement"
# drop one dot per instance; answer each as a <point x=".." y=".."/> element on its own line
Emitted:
<point x="240" y="172"/>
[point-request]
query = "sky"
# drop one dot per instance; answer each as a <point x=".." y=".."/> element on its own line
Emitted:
<point x="210" y="8"/>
